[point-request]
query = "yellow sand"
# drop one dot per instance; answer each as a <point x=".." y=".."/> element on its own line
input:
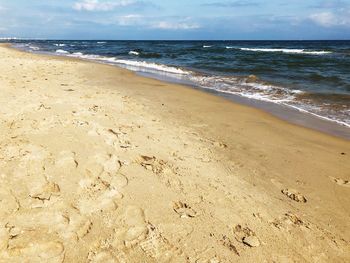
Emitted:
<point x="98" y="164"/>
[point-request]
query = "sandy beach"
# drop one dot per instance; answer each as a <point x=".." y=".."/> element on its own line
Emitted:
<point x="98" y="164"/>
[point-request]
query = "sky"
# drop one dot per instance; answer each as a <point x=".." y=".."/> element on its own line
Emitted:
<point x="176" y="19"/>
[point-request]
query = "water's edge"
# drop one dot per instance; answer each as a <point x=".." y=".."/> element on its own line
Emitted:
<point x="286" y="113"/>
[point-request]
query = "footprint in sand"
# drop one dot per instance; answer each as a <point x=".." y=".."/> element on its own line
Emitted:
<point x="113" y="137"/>
<point x="78" y="227"/>
<point x="167" y="173"/>
<point x="153" y="164"/>
<point x="220" y="144"/>
<point x="109" y="162"/>
<point x="51" y="252"/>
<point x="294" y="195"/>
<point x="294" y="219"/>
<point x="227" y="242"/>
<point x="84" y="229"/>
<point x="102" y="257"/>
<point x="8" y="202"/>
<point x="103" y="202"/>
<point x="184" y="210"/>
<point x="133" y="228"/>
<point x="111" y="166"/>
<point x="159" y="248"/>
<point x="341" y="182"/>
<point x="158" y="167"/>
<point x="36" y="221"/>
<point x="44" y="193"/>
<point x="289" y="218"/>
<point x="101" y="189"/>
<point x="67" y="159"/>
<point x="246" y="236"/>
<point x="32" y="243"/>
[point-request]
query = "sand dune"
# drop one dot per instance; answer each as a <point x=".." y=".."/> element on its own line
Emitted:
<point x="98" y="164"/>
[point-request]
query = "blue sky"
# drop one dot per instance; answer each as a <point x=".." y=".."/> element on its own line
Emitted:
<point x="175" y="19"/>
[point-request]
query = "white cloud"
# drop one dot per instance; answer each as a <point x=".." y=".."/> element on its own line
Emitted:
<point x="329" y="19"/>
<point x="175" y="25"/>
<point x="96" y="5"/>
<point x="150" y="22"/>
<point x="129" y="20"/>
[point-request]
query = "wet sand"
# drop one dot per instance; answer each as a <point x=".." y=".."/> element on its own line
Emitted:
<point x="98" y="164"/>
<point x="283" y="112"/>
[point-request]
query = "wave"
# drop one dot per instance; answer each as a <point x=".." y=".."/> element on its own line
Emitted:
<point x="247" y="87"/>
<point x="101" y="42"/>
<point x="134" y="53"/>
<point x="61" y="51"/>
<point x="35" y="48"/>
<point x="152" y="66"/>
<point x="78" y="54"/>
<point x="206" y="46"/>
<point x="136" y="65"/>
<point x="271" y="93"/>
<point x="286" y="50"/>
<point x="60" y="45"/>
<point x="84" y="56"/>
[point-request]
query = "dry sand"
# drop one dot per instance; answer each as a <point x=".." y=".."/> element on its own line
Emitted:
<point x="98" y="164"/>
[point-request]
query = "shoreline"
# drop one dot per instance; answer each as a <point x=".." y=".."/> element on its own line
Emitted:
<point x="97" y="168"/>
<point x="284" y="112"/>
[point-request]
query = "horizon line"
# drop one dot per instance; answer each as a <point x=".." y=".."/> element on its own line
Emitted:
<point x="71" y="39"/>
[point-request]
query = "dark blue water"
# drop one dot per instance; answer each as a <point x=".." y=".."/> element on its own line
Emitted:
<point x="311" y="76"/>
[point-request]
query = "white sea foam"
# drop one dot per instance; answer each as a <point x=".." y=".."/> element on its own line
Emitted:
<point x="101" y="42"/>
<point x="134" y="53"/>
<point x="267" y="93"/>
<point x="60" y="45"/>
<point x="61" y="51"/>
<point x="206" y="46"/>
<point x="229" y="47"/>
<point x="133" y="65"/>
<point x="77" y="54"/>
<point x="343" y="123"/>
<point x="286" y="50"/>
<point x="35" y="48"/>
<point x="82" y="55"/>
<point x="152" y="66"/>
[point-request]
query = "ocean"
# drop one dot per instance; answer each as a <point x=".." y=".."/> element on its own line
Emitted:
<point x="312" y="77"/>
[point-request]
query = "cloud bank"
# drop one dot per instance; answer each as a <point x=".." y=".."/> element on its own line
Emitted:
<point x="96" y="5"/>
<point x="330" y="19"/>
